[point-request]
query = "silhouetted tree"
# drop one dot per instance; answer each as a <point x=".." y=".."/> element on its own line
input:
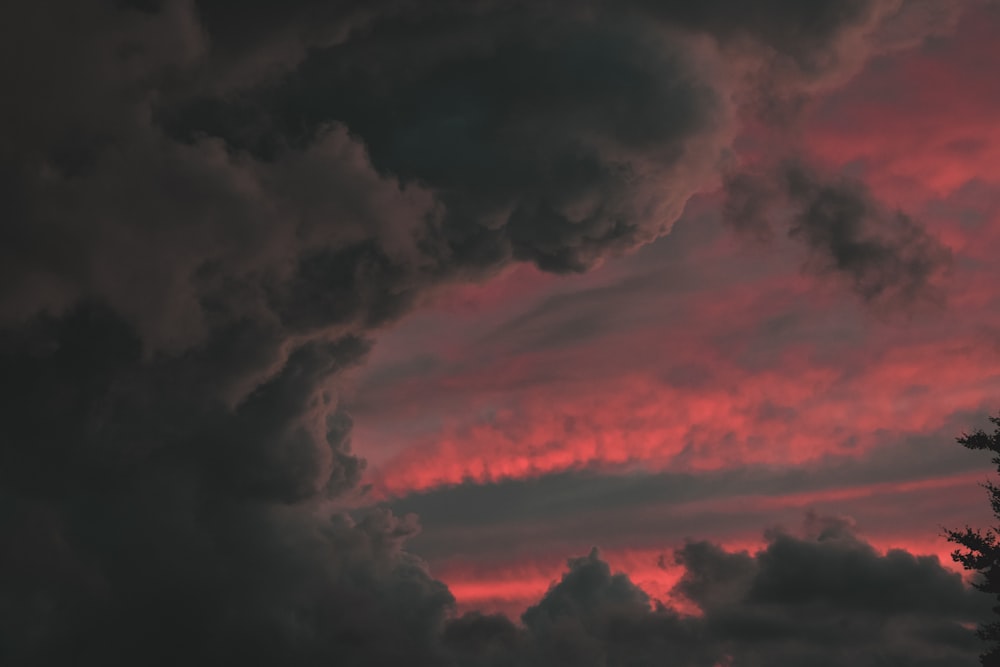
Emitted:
<point x="982" y="549"/>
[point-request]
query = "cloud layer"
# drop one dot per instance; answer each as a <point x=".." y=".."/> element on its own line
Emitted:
<point x="827" y="598"/>
<point x="211" y="208"/>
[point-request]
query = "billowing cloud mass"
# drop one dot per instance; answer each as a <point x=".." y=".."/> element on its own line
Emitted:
<point x="824" y="599"/>
<point x="212" y="209"/>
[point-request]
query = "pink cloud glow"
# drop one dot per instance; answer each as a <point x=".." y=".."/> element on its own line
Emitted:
<point x="751" y="362"/>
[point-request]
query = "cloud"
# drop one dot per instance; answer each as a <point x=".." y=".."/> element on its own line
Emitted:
<point x="210" y="208"/>
<point x="807" y="35"/>
<point x="505" y="114"/>
<point x="831" y="599"/>
<point x="887" y="257"/>
<point x="590" y="617"/>
<point x="498" y="116"/>
<point x="150" y="520"/>
<point x="827" y="598"/>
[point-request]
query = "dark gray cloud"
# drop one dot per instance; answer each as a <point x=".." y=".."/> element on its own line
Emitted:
<point x="209" y="208"/>
<point x="887" y="256"/>
<point x="505" y="116"/>
<point x="147" y="519"/>
<point x="804" y="33"/>
<point x="827" y="598"/>
<point x="831" y="599"/>
<point x="590" y="617"/>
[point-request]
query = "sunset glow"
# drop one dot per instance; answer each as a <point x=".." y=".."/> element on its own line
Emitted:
<point x="499" y="333"/>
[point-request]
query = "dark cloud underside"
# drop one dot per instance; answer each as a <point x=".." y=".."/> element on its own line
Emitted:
<point x="209" y="208"/>
<point x="824" y="599"/>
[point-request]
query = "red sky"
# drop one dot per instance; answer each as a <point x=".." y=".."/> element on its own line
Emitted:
<point x="328" y="328"/>
<point x="708" y="352"/>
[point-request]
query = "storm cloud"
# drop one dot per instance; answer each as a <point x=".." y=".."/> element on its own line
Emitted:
<point x="822" y="598"/>
<point x="210" y="209"/>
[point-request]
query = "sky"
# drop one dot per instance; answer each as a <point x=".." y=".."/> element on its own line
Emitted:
<point x="482" y="333"/>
